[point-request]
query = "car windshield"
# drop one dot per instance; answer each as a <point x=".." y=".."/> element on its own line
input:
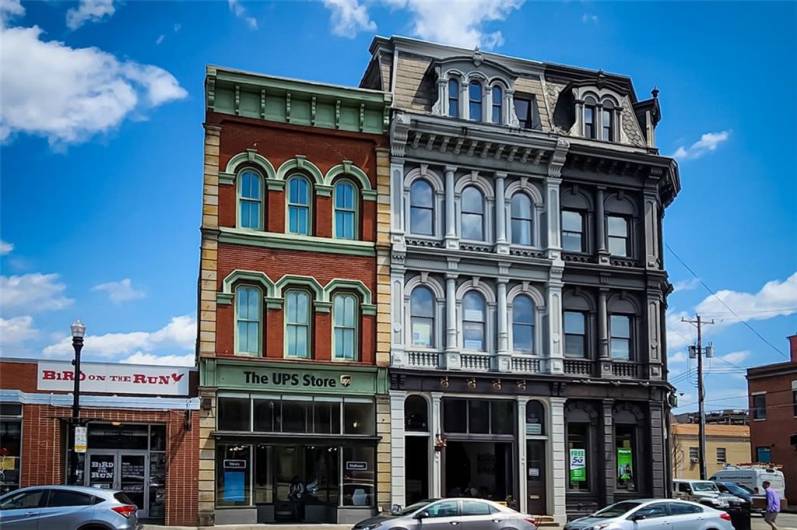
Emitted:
<point x="616" y="510"/>
<point x="412" y="508"/>
<point x="704" y="486"/>
<point x="735" y="488"/>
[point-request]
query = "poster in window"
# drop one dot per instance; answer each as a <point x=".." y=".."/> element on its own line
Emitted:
<point x="625" y="467"/>
<point x="234" y="486"/>
<point x="81" y="439"/>
<point x="578" y="465"/>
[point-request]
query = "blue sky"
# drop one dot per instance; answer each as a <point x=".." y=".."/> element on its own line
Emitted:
<point x="101" y="130"/>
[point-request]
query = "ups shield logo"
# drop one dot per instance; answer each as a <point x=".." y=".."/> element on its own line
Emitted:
<point x="345" y="380"/>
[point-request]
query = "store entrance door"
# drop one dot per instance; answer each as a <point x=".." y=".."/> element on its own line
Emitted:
<point x="535" y="477"/>
<point x="123" y="470"/>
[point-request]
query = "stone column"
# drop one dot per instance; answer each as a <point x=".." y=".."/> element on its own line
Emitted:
<point x="451" y="220"/>
<point x="397" y="353"/>
<point x="553" y="321"/>
<point x="397" y="202"/>
<point x="553" y="238"/>
<point x="397" y="447"/>
<point x="487" y="104"/>
<point x="604" y="355"/>
<point x="436" y="485"/>
<point x="509" y="103"/>
<point x="557" y="461"/>
<point x="503" y="360"/>
<point x="658" y="448"/>
<point x="609" y="468"/>
<point x="452" y="361"/>
<point x="464" y="102"/>
<point x="652" y="258"/>
<point x="654" y="343"/>
<point x="502" y="242"/>
<point x="522" y="493"/>
<point x="600" y="227"/>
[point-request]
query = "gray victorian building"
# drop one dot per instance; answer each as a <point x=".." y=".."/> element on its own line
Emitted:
<point x="527" y="285"/>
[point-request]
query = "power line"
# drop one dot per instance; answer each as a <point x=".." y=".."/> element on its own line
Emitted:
<point x="714" y="294"/>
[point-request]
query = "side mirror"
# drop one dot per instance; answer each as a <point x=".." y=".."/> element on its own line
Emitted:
<point x="423" y="515"/>
<point x="638" y="517"/>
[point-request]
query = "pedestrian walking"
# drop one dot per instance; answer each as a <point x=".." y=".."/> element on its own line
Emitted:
<point x="773" y="505"/>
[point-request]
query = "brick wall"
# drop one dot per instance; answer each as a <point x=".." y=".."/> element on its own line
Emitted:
<point x="43" y="448"/>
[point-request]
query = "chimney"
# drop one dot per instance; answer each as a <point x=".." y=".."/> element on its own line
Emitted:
<point x="793" y="347"/>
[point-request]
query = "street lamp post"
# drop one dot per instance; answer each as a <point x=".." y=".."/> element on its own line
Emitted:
<point x="78" y="331"/>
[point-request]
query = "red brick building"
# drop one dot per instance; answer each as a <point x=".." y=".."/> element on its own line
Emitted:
<point x="142" y="432"/>
<point x="295" y="424"/>
<point x="772" y="390"/>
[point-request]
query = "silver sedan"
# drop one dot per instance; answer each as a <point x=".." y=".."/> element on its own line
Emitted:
<point x="654" y="514"/>
<point x="445" y="514"/>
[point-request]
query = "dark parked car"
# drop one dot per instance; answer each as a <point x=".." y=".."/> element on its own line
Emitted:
<point x="444" y="514"/>
<point x="735" y="489"/>
<point x="67" y="508"/>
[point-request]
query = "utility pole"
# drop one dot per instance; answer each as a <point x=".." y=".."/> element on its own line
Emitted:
<point x="701" y="392"/>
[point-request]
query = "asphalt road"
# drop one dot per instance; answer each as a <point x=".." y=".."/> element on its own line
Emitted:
<point x="786" y="521"/>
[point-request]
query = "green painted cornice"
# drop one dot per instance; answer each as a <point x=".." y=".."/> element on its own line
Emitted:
<point x="295" y="242"/>
<point x="293" y="101"/>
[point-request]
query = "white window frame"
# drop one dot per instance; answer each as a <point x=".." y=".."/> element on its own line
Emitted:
<point x="355" y="210"/>
<point x="308" y="325"/>
<point x="308" y="206"/>
<point x="355" y="328"/>
<point x="237" y="351"/>
<point x="240" y="199"/>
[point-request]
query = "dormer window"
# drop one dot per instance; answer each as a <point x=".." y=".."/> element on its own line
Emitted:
<point x="590" y="116"/>
<point x="475" y="101"/>
<point x="453" y="98"/>
<point x="498" y="104"/>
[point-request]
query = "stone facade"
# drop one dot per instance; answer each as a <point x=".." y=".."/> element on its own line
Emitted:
<point x="526" y="277"/>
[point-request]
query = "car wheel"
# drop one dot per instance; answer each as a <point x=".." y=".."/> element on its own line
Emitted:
<point x="94" y="527"/>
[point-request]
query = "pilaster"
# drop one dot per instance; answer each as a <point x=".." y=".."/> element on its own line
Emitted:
<point x="658" y="449"/>
<point x="651" y="209"/>
<point x="522" y="496"/>
<point x="397" y="448"/>
<point x="208" y="266"/>
<point x="553" y="295"/>
<point x="384" y="453"/>
<point x="608" y="466"/>
<point x="451" y="229"/>
<point x="383" y="278"/>
<point x="502" y="358"/>
<point x="397" y="355"/>
<point x="603" y="334"/>
<point x="557" y="463"/>
<point x="600" y="227"/>
<point x="552" y="208"/>
<point x="436" y="486"/>
<point x="452" y="360"/>
<point x="502" y="244"/>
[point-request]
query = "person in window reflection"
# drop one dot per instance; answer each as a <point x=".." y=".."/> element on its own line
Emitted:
<point x="296" y="496"/>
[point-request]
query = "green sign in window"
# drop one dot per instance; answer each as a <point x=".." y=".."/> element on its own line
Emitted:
<point x="578" y="465"/>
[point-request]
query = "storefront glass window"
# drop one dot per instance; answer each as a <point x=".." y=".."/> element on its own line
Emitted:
<point x="358" y="476"/>
<point x="455" y="413"/>
<point x="104" y="436"/>
<point x="416" y="414"/>
<point x="157" y="484"/>
<point x="535" y="418"/>
<point x="263" y="485"/>
<point x="321" y="475"/>
<point x="267" y="415"/>
<point x="624" y="444"/>
<point x="326" y="417"/>
<point x="10" y="444"/>
<point x="233" y="475"/>
<point x="502" y="417"/>
<point x="295" y="416"/>
<point x="479" y="416"/>
<point x="359" y="418"/>
<point x="577" y="444"/>
<point x="157" y="437"/>
<point x="233" y="414"/>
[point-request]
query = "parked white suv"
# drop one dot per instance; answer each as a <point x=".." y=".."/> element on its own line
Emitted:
<point x="704" y="492"/>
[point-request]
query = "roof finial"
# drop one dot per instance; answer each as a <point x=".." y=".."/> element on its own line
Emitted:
<point x="655" y="92"/>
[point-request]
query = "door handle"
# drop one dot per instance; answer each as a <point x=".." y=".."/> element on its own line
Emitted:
<point x="454" y="523"/>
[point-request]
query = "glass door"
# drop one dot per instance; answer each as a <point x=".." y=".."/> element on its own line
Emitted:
<point x="132" y="480"/>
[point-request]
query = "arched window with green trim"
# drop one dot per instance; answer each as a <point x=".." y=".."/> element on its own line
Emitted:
<point x="248" y="320"/>
<point x="250" y="200"/>
<point x="299" y="196"/>
<point x="297" y="324"/>
<point x="344" y="319"/>
<point x="345" y="195"/>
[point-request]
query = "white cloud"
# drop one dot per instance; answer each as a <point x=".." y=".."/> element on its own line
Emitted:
<point x="588" y="18"/>
<point x="179" y="333"/>
<point x="678" y="357"/>
<point x="89" y="11"/>
<point x="708" y="142"/>
<point x="735" y="357"/>
<point x="168" y="360"/>
<point x="15" y="331"/>
<point x="5" y="246"/>
<point x="686" y="285"/>
<point x="240" y="11"/>
<point x="159" y="40"/>
<point x="458" y="23"/>
<point x="349" y="17"/>
<point x="121" y="291"/>
<point x="30" y="293"/>
<point x="10" y="9"/>
<point x="775" y="298"/>
<point x="69" y="94"/>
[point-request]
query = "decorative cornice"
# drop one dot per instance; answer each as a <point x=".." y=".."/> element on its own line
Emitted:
<point x="275" y="240"/>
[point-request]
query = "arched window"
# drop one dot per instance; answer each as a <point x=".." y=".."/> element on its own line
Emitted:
<point x="522" y="217"/>
<point x="590" y="110"/>
<point x="474" y="322"/>
<point x="475" y="101"/>
<point x="453" y="98"/>
<point x="421" y="208"/>
<point x="250" y="200"/>
<point x="297" y="324"/>
<point x="422" y="317"/>
<point x="607" y="121"/>
<point x="344" y="323"/>
<point x="472" y="214"/>
<point x="523" y="324"/>
<point x="299" y="205"/>
<point x="345" y="210"/>
<point x="535" y="418"/>
<point x="248" y="315"/>
<point x="498" y="104"/>
<point x="416" y="414"/>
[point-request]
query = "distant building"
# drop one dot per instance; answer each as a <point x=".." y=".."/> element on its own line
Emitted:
<point x="725" y="444"/>
<point x="772" y="390"/>
<point x="724" y="417"/>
